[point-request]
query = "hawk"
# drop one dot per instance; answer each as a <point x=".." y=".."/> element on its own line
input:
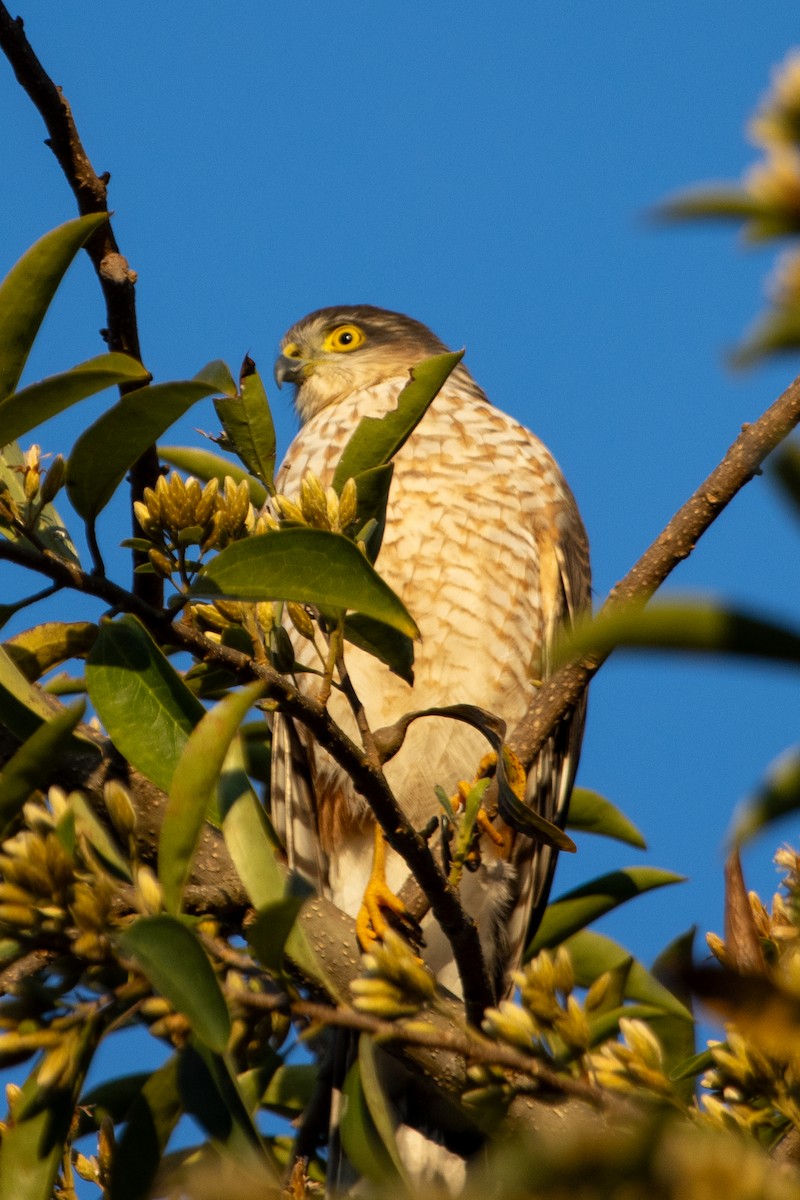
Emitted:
<point x="485" y="546"/>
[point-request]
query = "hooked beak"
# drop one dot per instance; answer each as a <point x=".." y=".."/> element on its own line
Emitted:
<point x="295" y="370"/>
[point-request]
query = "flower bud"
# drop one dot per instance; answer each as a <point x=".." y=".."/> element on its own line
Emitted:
<point x="348" y="504"/>
<point x="54" y="479"/>
<point x="300" y="619"/>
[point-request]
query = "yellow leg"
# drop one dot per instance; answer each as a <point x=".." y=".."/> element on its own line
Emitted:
<point x="371" y="924"/>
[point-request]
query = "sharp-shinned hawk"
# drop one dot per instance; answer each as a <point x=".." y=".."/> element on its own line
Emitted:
<point x="485" y="546"/>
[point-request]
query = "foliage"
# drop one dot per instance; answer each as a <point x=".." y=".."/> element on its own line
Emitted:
<point x="115" y="910"/>
<point x="767" y="206"/>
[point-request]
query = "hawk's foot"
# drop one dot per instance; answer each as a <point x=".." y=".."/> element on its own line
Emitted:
<point x="379" y="900"/>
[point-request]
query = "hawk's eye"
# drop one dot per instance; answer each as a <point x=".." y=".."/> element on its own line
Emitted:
<point x="343" y="338"/>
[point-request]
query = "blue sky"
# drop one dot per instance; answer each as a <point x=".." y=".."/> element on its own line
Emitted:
<point x="489" y="171"/>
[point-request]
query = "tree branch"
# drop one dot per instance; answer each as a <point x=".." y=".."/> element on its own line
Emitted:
<point x="559" y="694"/>
<point x="367" y="776"/>
<point x="117" y="280"/>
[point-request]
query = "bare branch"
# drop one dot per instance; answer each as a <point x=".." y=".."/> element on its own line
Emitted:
<point x="559" y="695"/>
<point x="117" y="280"/>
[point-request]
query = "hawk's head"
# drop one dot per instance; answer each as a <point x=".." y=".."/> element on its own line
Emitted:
<point x="335" y="351"/>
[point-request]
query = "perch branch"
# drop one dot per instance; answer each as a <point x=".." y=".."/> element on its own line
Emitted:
<point x="559" y="694"/>
<point x="117" y="280"/>
<point x="367" y="775"/>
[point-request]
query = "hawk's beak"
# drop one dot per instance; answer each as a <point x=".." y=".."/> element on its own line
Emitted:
<point x="295" y="370"/>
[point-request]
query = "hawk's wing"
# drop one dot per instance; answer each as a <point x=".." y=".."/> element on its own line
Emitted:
<point x="550" y="779"/>
<point x="293" y="803"/>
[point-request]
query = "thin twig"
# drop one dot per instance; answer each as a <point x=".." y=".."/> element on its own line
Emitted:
<point x="117" y="280"/>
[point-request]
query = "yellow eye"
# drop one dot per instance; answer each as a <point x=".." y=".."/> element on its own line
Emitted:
<point x="344" y="338"/>
<point x="292" y="351"/>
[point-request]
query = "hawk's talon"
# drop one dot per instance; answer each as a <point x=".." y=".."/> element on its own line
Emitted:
<point x="371" y="923"/>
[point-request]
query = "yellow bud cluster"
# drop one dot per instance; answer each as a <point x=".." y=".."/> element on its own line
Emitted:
<point x="538" y="984"/>
<point x="177" y="513"/>
<point x="318" y="506"/>
<point x="633" y="1064"/>
<point x="512" y="1024"/>
<point x="86" y="1168"/>
<point x="46" y="889"/>
<point x="777" y="121"/>
<point x="396" y="982"/>
<point x="382" y="999"/>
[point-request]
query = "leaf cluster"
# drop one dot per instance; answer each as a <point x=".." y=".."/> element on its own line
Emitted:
<point x="111" y="917"/>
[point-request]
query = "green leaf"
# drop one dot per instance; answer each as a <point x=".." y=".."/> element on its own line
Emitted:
<point x="104" y="453"/>
<point x="33" y="1140"/>
<point x="690" y="1068"/>
<point x="171" y="957"/>
<point x="676" y="1035"/>
<point x="247" y="422"/>
<point x="372" y="492"/>
<point x="593" y="954"/>
<point x="592" y="813"/>
<point x="254" y="847"/>
<point x="37" y="650"/>
<point x="309" y="566"/>
<point x="112" y="1097"/>
<point x="26" y="409"/>
<point x="88" y="826"/>
<point x="31" y="766"/>
<point x="692" y="625"/>
<point x="578" y="908"/>
<point x="776" y="332"/>
<point x="290" y="1089"/>
<point x="249" y="837"/>
<point x="23" y="706"/>
<point x="777" y="797"/>
<point x="211" y="1093"/>
<point x="391" y="647"/>
<point x="149" y="1122"/>
<point x="717" y="202"/>
<point x="27" y="290"/>
<point x="49" y="527"/>
<point x="141" y="700"/>
<point x="605" y="1025"/>
<point x="205" y="465"/>
<point x="270" y="931"/>
<point x="376" y="440"/>
<point x="218" y="377"/>
<point x="193" y="785"/>
<point x="361" y="1140"/>
<point x="378" y="1104"/>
